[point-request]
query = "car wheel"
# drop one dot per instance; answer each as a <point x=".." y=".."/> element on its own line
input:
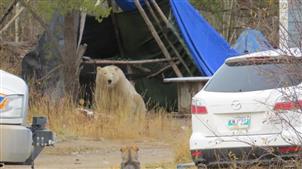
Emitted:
<point x="202" y="166"/>
<point x="283" y="164"/>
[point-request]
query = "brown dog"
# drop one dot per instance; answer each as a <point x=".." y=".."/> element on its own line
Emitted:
<point x="130" y="157"/>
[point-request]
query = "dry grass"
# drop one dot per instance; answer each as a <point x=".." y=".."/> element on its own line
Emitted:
<point x="10" y="60"/>
<point x="66" y="121"/>
<point x="156" y="166"/>
<point x="182" y="149"/>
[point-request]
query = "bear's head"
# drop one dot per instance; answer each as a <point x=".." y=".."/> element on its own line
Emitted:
<point x="110" y="75"/>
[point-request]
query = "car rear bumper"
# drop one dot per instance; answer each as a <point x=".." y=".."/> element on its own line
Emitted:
<point x="15" y="143"/>
<point x="199" y="141"/>
<point x="244" y="156"/>
<point x="213" y="150"/>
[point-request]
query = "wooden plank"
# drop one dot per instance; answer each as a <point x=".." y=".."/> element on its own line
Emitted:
<point x="161" y="13"/>
<point x="126" y="62"/>
<point x="185" y="93"/>
<point x="187" y="87"/>
<point x="167" y="38"/>
<point x="188" y="79"/>
<point x="179" y="100"/>
<point x="161" y="70"/>
<point x="157" y="37"/>
<point x="16" y="44"/>
<point x="169" y="25"/>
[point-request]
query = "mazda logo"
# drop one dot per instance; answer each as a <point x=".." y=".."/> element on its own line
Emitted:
<point x="236" y="105"/>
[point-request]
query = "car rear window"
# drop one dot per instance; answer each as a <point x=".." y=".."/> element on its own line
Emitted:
<point x="256" y="76"/>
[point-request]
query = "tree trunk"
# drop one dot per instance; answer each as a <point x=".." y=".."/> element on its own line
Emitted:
<point x="70" y="58"/>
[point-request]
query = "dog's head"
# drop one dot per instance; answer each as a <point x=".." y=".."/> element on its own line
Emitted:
<point x="129" y="153"/>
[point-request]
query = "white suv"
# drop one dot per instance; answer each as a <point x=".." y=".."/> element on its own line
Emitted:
<point x="250" y="110"/>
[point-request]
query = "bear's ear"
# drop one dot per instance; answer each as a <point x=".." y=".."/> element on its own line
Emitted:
<point x="98" y="68"/>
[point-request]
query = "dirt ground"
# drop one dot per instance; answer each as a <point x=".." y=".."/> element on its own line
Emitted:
<point x="97" y="154"/>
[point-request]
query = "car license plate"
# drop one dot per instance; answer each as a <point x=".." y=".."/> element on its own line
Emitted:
<point x="241" y="122"/>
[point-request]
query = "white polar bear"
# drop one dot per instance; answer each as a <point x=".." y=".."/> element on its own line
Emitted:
<point x="114" y="93"/>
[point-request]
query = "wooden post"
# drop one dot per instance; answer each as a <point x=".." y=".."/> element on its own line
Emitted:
<point x="169" y="25"/>
<point x="156" y="37"/>
<point x="167" y="38"/>
<point x="187" y="87"/>
<point x="161" y="13"/>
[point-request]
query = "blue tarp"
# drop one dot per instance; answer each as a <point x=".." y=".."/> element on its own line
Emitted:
<point x="128" y="5"/>
<point x="208" y="48"/>
<point x="251" y="40"/>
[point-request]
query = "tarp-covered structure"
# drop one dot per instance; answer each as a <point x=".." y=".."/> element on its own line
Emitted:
<point x="124" y="35"/>
<point x="207" y="47"/>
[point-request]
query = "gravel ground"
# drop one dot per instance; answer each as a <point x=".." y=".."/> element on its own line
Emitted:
<point x="91" y="154"/>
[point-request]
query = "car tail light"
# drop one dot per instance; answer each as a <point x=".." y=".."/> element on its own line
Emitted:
<point x="196" y="154"/>
<point x="289" y="149"/>
<point x="198" y="109"/>
<point x="288" y="105"/>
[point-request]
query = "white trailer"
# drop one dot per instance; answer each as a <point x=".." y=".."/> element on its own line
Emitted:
<point x="19" y="144"/>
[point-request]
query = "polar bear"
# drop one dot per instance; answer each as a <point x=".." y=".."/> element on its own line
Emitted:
<point x="115" y="94"/>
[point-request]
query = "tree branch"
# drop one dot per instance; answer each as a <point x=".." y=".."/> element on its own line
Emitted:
<point x="9" y="9"/>
<point x="44" y="25"/>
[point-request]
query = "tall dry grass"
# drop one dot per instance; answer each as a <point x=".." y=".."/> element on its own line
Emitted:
<point x="10" y="60"/>
<point x="181" y="147"/>
<point x="66" y="120"/>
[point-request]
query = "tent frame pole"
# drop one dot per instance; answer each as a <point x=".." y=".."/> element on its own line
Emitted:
<point x="167" y="38"/>
<point x="169" y="25"/>
<point x="157" y="38"/>
<point x="127" y="62"/>
<point x="116" y="30"/>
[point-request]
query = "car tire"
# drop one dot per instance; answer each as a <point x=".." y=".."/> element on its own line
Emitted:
<point x="202" y="166"/>
<point x="286" y="164"/>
